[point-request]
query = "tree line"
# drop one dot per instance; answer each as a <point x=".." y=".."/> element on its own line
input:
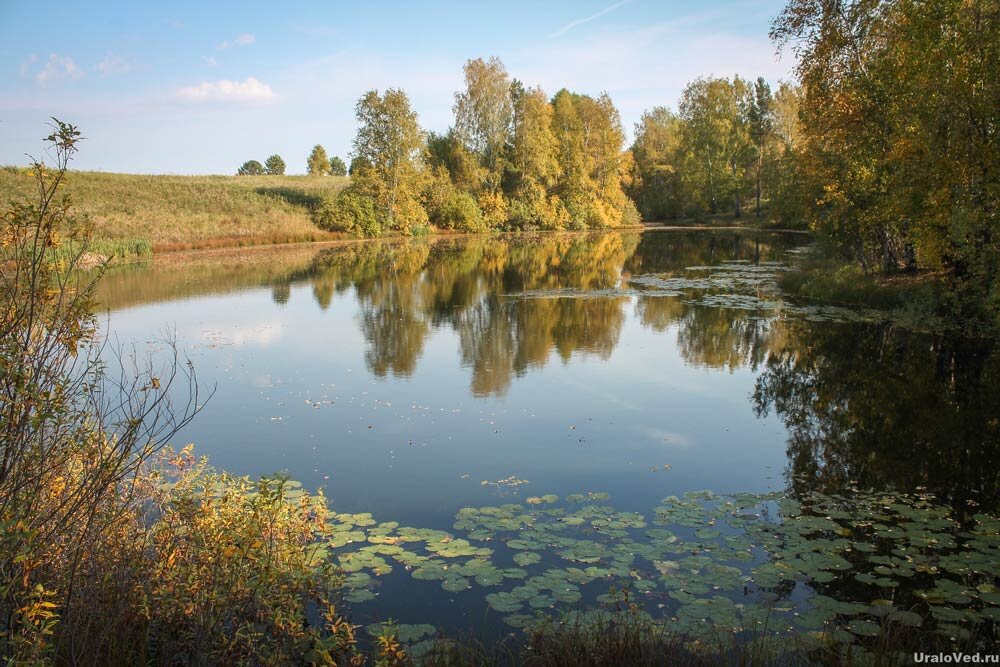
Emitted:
<point x="728" y="146"/>
<point x="318" y="164"/>
<point x="513" y="159"/>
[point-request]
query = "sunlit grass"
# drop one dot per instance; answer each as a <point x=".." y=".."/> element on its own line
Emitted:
<point x="137" y="214"/>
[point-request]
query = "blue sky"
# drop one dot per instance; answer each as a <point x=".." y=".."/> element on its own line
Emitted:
<point x="200" y="87"/>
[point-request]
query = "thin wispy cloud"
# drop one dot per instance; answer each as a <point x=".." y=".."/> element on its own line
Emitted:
<point x="246" y="39"/>
<point x="28" y="64"/>
<point x="314" y="29"/>
<point x="58" y="67"/>
<point x="210" y="61"/>
<point x="248" y="91"/>
<point x="587" y="19"/>
<point x="113" y="64"/>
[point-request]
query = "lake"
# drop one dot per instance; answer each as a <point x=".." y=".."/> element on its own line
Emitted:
<point x="514" y="425"/>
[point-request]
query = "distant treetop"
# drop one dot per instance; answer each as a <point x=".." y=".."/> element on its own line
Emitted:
<point x="274" y="165"/>
<point x="251" y="168"/>
<point x="318" y="163"/>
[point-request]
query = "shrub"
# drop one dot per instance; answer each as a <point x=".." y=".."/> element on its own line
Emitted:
<point x="532" y="208"/>
<point x="234" y="565"/>
<point x="113" y="550"/>
<point x="461" y="213"/>
<point x="410" y="217"/>
<point x="496" y="213"/>
<point x="350" y="212"/>
<point x="73" y="435"/>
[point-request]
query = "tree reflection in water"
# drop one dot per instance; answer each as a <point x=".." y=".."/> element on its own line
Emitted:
<point x="887" y="409"/>
<point x="870" y="404"/>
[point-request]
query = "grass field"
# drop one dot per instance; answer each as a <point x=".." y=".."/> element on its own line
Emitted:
<point x="180" y="212"/>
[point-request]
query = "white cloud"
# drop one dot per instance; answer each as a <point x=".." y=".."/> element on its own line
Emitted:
<point x="210" y="61"/>
<point x="251" y="90"/>
<point x="113" y="64"/>
<point x="587" y="19"/>
<point x="246" y="39"/>
<point x="58" y="67"/>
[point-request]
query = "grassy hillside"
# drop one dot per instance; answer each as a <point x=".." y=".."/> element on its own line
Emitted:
<point x="175" y="212"/>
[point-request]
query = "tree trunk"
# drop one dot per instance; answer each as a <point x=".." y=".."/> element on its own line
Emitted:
<point x="886" y="254"/>
<point x="759" y="161"/>
<point x="738" y="213"/>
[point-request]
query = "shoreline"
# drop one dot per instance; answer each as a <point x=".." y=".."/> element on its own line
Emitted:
<point x="219" y="246"/>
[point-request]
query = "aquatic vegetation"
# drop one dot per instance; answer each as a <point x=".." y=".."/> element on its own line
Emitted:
<point x="839" y="569"/>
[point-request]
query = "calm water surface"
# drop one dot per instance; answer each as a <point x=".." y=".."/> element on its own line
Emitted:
<point x="408" y="378"/>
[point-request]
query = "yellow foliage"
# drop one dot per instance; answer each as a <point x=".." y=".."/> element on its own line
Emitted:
<point x="495" y="209"/>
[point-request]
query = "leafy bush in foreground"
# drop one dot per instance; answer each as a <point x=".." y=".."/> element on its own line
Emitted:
<point x="350" y="212"/>
<point x="111" y="550"/>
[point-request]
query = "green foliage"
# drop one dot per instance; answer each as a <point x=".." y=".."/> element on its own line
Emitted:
<point x="731" y="143"/>
<point x="274" y="166"/>
<point x="318" y="163"/>
<point x="250" y="168"/>
<point x="337" y="167"/>
<point x="715" y="133"/>
<point x="483" y="115"/>
<point x="356" y="165"/>
<point x="350" y="211"/>
<point x="657" y="152"/>
<point x="461" y="212"/>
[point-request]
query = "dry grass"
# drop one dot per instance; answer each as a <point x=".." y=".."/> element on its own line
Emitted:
<point x="183" y="212"/>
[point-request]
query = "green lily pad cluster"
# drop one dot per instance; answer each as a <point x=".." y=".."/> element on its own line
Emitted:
<point x="840" y="568"/>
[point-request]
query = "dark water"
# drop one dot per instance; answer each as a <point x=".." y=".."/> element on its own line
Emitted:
<point x="408" y="378"/>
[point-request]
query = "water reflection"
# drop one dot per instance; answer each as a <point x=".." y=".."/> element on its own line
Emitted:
<point x="490" y="291"/>
<point x="887" y="409"/>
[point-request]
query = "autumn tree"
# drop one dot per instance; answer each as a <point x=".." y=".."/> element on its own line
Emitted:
<point x="589" y="140"/>
<point x="791" y="186"/>
<point x="574" y="187"/>
<point x="533" y="167"/>
<point x="389" y="150"/>
<point x="446" y="150"/>
<point x="318" y="163"/>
